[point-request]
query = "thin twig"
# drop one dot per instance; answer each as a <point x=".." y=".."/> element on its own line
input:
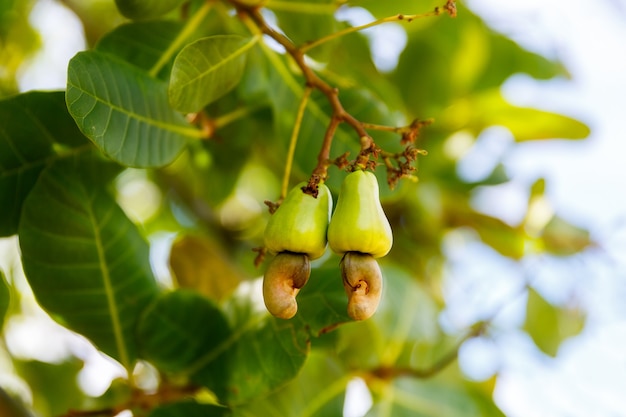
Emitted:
<point x="387" y="372"/>
<point x="294" y="139"/>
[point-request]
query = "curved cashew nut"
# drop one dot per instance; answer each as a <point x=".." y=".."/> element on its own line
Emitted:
<point x="285" y="275"/>
<point x="363" y="283"/>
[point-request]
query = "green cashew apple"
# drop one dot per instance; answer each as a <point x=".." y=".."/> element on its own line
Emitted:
<point x="359" y="223"/>
<point x="300" y="223"/>
<point x="363" y="283"/>
<point x="297" y="233"/>
<point x="285" y="275"/>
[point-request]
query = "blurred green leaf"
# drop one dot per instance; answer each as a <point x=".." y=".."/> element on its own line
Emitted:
<point x="54" y="385"/>
<point x="142" y="43"/>
<point x="35" y="129"/>
<point x="178" y="328"/>
<point x="199" y="263"/>
<point x="86" y="263"/>
<point x="206" y="70"/>
<point x="507" y="240"/>
<point x="563" y="238"/>
<point x="146" y="9"/>
<point x="307" y="21"/>
<point x="318" y="391"/>
<point x="18" y="40"/>
<point x="549" y="325"/>
<point x="538" y="188"/>
<point x="189" y="409"/>
<point x="124" y="111"/>
<point x="490" y="109"/>
<point x="437" y="397"/>
<point x="5" y="298"/>
<point x="454" y="59"/>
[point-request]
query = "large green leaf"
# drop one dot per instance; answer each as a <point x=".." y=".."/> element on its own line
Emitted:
<point x="263" y="353"/>
<point x="206" y="70"/>
<point x="179" y="328"/>
<point x="318" y="391"/>
<point x="146" y="9"/>
<point x="124" y="111"/>
<point x="85" y="261"/>
<point x="187" y="334"/>
<point x="549" y="325"/>
<point x="5" y="298"/>
<point x="35" y="129"/>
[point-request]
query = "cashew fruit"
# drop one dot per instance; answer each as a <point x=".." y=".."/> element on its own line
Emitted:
<point x="363" y="283"/>
<point x="300" y="223"/>
<point x="359" y="223"/>
<point x="285" y="275"/>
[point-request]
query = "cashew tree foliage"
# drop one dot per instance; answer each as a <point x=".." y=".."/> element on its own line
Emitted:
<point x="179" y="121"/>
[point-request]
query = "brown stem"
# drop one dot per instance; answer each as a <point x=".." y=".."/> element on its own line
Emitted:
<point x="312" y="80"/>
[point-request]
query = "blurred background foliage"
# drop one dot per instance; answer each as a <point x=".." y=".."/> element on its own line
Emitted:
<point x="203" y="214"/>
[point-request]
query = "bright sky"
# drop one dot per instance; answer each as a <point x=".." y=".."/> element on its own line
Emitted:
<point x="585" y="185"/>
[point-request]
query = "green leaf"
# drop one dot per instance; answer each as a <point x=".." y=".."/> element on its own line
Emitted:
<point x="142" y="43"/>
<point x="507" y="240"/>
<point x="85" y="261"/>
<point x="206" y="70"/>
<point x="318" y="391"/>
<point x="146" y="9"/>
<point x="5" y="298"/>
<point x="35" y="129"/>
<point x="563" y="238"/>
<point x="307" y="21"/>
<point x="490" y="109"/>
<point x="186" y="334"/>
<point x="124" y="111"/>
<point x="179" y="328"/>
<point x="262" y="354"/>
<point x="189" y="409"/>
<point x="464" y="58"/>
<point x="198" y="262"/>
<point x="54" y="385"/>
<point x="410" y="397"/>
<point x="549" y="325"/>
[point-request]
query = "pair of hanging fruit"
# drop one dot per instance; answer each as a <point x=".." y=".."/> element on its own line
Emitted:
<point x="298" y="232"/>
